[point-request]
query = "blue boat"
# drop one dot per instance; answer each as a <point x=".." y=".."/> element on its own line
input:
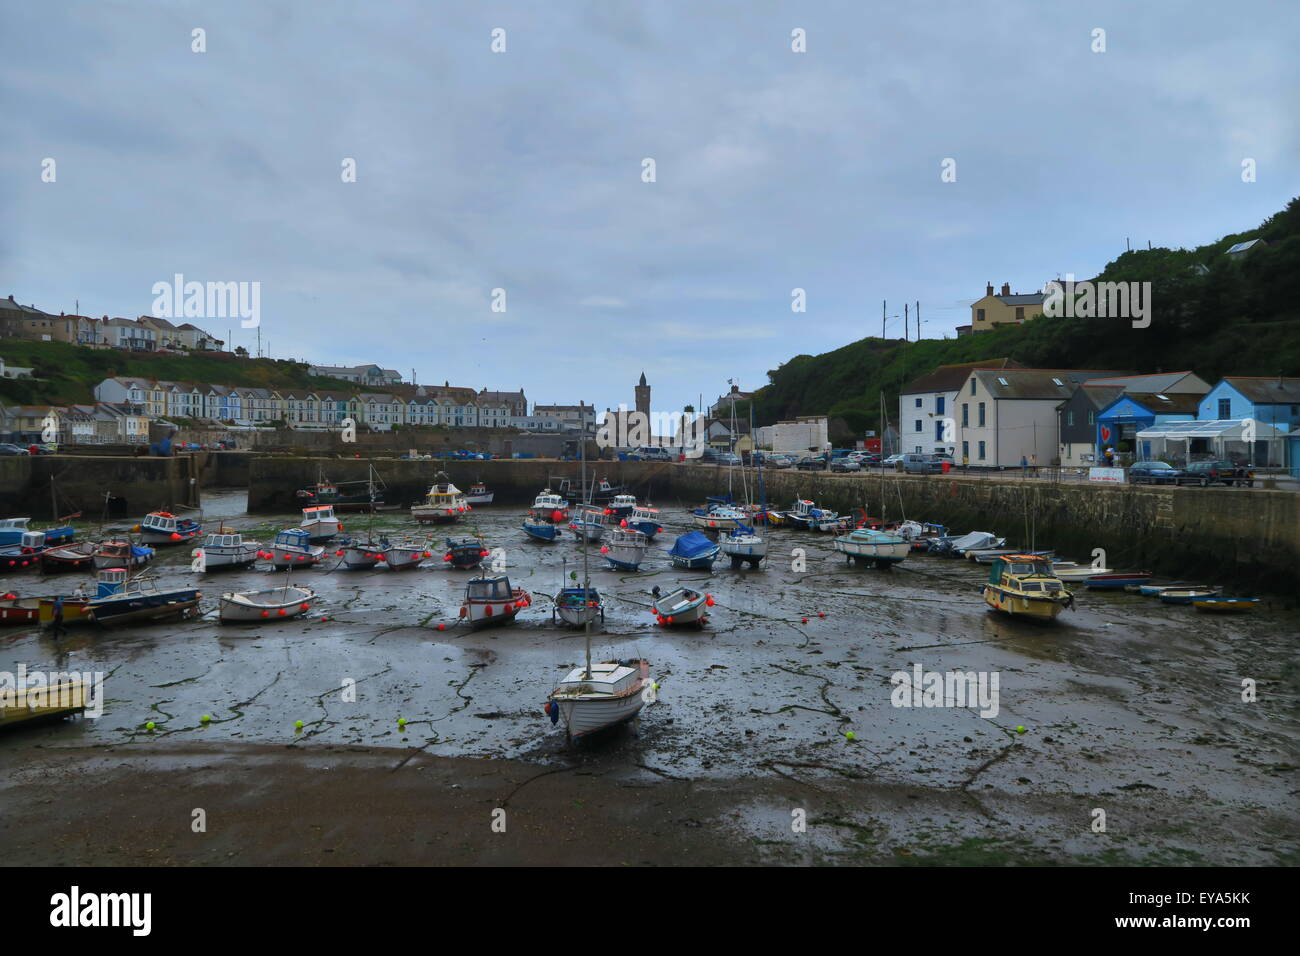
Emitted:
<point x="13" y="529"/>
<point x="645" y="520"/>
<point x="539" y="529"/>
<point x="693" y="551"/>
<point x="26" y="554"/>
<point x="117" y="603"/>
<point x="1187" y="595"/>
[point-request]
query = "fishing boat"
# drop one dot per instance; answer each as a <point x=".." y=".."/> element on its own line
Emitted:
<point x="1023" y="585"/>
<point x="13" y="529"/>
<point x="268" y="604"/>
<point x="444" y="503"/>
<point x="681" y="606"/>
<point x="548" y="506"/>
<point x="492" y="601"/>
<point x="744" y="546"/>
<point x="832" y="521"/>
<point x="645" y="520"/>
<point x="604" y="491"/>
<point x="588" y="522"/>
<point x="73" y="609"/>
<point x="1187" y="595"/>
<point x="620" y="506"/>
<point x="163" y="527"/>
<point x="1222" y="605"/>
<point x="121" y="553"/>
<point x="405" y="553"/>
<point x="693" y="552"/>
<point x="578" y="606"/>
<point x="224" y="550"/>
<point x="718" y="517"/>
<point x="478" y="494"/>
<point x="863" y="545"/>
<point x="540" y="528"/>
<point x="600" y="695"/>
<point x="293" y="549"/>
<point x="44" y="702"/>
<point x="25" y="554"/>
<point x="929" y="535"/>
<point x="466" y="552"/>
<point x="1115" y="580"/>
<point x="68" y="557"/>
<point x="345" y="495"/>
<point x="362" y="555"/>
<point x="805" y="515"/>
<point x="121" y="602"/>
<point x="320" y="522"/>
<point x="625" y="549"/>
<point x="15" y="610"/>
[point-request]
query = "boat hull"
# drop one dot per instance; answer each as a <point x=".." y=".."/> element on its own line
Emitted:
<point x="1017" y="605"/>
<point x="144" y="607"/>
<point x="582" y="717"/>
<point x="479" y="614"/>
<point x="320" y="530"/>
<point x="362" y="558"/>
<point x="1226" y="605"/>
<point x="282" y="557"/>
<point x="15" y="612"/>
<point x="884" y="554"/>
<point x="401" y="558"/>
<point x="275" y="604"/>
<point x="543" y="532"/>
<point x="434" y="515"/>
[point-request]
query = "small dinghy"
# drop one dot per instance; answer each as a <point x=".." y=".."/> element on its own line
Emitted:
<point x="120" y="553"/>
<point x="1155" y="590"/>
<point x="625" y="549"/>
<point x="405" y="554"/>
<point x="682" y="606"/>
<point x="864" y="546"/>
<point x="1187" y="595"/>
<point x="693" y="552"/>
<point x="577" y="606"/>
<point x="361" y="555"/>
<point x="539" y="528"/>
<point x="293" y="549"/>
<point x="268" y="604"/>
<point x="68" y="557"/>
<point x="492" y="601"/>
<point x="466" y="553"/>
<point x="1077" y="574"/>
<point x="1115" y="580"/>
<point x="1222" y="605"/>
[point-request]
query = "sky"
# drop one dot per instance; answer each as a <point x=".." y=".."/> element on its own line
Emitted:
<point x="524" y="170"/>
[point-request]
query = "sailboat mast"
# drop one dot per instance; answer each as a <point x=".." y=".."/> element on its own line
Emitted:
<point x="586" y="580"/>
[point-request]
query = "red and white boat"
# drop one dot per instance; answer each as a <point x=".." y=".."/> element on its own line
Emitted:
<point x="444" y="504"/>
<point x="492" y="601"/>
<point x="406" y="554"/>
<point x="293" y="549"/>
<point x="320" y="523"/>
<point x="478" y="494"/>
<point x="68" y="557"/>
<point x="16" y="611"/>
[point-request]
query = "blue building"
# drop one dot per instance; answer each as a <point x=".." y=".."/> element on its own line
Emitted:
<point x="1119" y="422"/>
<point x="1273" y="401"/>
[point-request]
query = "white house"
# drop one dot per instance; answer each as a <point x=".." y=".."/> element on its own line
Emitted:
<point x="926" y="413"/>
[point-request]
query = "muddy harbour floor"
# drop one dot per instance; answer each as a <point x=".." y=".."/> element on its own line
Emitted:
<point x="1128" y="706"/>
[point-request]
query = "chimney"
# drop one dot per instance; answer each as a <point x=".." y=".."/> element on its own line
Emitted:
<point x="1006" y="288"/>
<point x="989" y="290"/>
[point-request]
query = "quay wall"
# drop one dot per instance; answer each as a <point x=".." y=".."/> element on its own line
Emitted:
<point x="136" y="485"/>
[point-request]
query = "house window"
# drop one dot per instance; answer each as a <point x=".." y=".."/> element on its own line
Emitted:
<point x="1092" y="418"/>
<point x="918" y="424"/>
<point x="981" y="418"/>
<point x="1020" y="313"/>
<point x="965" y="415"/>
<point x="938" y="405"/>
<point x="1069" y="417"/>
<point x="1225" y="408"/>
<point x="918" y="403"/>
<point x="965" y="450"/>
<point x="979" y="315"/>
<point x="981" y="451"/>
<point x="972" y="386"/>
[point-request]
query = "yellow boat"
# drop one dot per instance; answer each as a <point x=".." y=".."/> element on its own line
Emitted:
<point x="36" y="703"/>
<point x="74" y="611"/>
<point x="1226" y="605"/>
<point x="1023" y="585"/>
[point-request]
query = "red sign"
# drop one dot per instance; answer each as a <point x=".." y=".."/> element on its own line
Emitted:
<point x="872" y="444"/>
<point x="1105" y="433"/>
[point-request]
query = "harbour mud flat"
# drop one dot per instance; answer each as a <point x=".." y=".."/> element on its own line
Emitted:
<point x="775" y="738"/>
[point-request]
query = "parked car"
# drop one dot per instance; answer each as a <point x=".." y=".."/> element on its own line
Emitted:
<point x="727" y="458"/>
<point x="9" y="448"/>
<point x="893" y="461"/>
<point x="651" y="453"/>
<point x="915" y="464"/>
<point x="1221" y="473"/>
<point x="779" y="461"/>
<point x="1159" y="473"/>
<point x="845" y="464"/>
<point x="811" y="463"/>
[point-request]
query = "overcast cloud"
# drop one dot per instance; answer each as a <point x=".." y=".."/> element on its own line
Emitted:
<point x="522" y="170"/>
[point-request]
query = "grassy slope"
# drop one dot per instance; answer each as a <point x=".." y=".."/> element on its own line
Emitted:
<point x="1242" y="318"/>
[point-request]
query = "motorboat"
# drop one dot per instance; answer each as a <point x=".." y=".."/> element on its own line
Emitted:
<point x="863" y="546"/>
<point x="267" y="604"/>
<point x="693" y="551"/>
<point x="1023" y="585"/>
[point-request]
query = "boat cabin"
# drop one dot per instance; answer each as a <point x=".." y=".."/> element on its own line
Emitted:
<point x="33" y="540"/>
<point x="1027" y="572"/>
<point x="626" y="502"/>
<point x="489" y="589"/>
<point x="609" y="679"/>
<point x="223" y="541"/>
<point x="162" y="521"/>
<point x="478" y="489"/>
<point x="110" y="581"/>
<point x="318" y="513"/>
<point x="549" y="501"/>
<point x="293" y="538"/>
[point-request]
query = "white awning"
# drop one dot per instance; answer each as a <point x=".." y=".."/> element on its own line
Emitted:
<point x="1232" y="429"/>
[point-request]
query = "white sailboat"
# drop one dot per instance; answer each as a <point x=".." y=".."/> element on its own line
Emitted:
<point x="600" y="695"/>
<point x="743" y="544"/>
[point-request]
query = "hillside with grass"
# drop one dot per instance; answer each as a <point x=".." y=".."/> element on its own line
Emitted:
<point x="1210" y="313"/>
<point x="67" y="374"/>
